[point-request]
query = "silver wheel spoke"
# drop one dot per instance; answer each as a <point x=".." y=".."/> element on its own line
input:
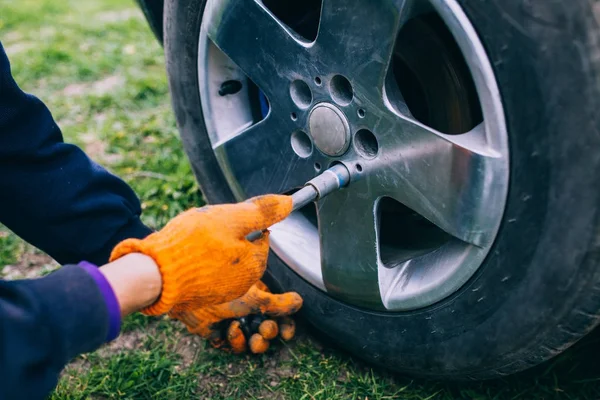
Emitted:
<point x="357" y="48"/>
<point x="254" y="39"/>
<point x="264" y="160"/>
<point x="349" y="258"/>
<point x="355" y="95"/>
<point x="450" y="180"/>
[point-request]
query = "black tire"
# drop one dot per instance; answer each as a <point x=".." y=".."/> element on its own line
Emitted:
<point x="538" y="291"/>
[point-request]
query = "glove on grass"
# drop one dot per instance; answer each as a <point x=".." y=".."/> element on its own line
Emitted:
<point x="220" y="325"/>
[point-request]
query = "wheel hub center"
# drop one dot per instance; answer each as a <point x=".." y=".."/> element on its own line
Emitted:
<point x="329" y="129"/>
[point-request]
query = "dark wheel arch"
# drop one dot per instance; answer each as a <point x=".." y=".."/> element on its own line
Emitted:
<point x="153" y="11"/>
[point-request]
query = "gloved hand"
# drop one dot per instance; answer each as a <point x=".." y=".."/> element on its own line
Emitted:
<point x="221" y="324"/>
<point x="203" y="255"/>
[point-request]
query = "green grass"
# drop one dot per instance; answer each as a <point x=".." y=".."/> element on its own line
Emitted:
<point x="11" y="247"/>
<point x="99" y="69"/>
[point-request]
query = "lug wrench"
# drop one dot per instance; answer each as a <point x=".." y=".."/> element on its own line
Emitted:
<point x="331" y="180"/>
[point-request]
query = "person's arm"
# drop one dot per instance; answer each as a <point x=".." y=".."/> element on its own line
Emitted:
<point x="46" y="322"/>
<point x="201" y="258"/>
<point x="135" y="281"/>
<point x="52" y="194"/>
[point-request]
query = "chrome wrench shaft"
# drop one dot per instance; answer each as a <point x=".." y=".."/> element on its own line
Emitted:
<point x="331" y="180"/>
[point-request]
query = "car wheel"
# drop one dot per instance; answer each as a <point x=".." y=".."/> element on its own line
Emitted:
<point x="468" y="245"/>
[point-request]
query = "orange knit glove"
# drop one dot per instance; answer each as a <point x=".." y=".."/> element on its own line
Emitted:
<point x="203" y="255"/>
<point x="221" y="324"/>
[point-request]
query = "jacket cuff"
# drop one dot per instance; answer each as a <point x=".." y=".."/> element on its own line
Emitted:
<point x="111" y="301"/>
<point x="74" y="308"/>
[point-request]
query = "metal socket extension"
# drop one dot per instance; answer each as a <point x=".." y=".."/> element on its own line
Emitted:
<point x="320" y="186"/>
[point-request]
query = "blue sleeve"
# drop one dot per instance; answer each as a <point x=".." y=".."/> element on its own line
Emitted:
<point x="44" y="323"/>
<point x="51" y="193"/>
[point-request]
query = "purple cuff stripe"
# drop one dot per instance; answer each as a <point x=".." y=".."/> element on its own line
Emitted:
<point x="112" y="304"/>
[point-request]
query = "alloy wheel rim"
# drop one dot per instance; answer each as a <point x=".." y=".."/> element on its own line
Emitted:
<point x="330" y="100"/>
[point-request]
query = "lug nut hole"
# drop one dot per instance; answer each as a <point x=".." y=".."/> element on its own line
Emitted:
<point x="366" y="144"/>
<point x="341" y="90"/>
<point x="294" y="116"/>
<point x="361" y="113"/>
<point x="301" y="144"/>
<point x="317" y="167"/>
<point x="230" y="87"/>
<point x="359" y="167"/>
<point x="301" y="94"/>
<point x="318" y="81"/>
